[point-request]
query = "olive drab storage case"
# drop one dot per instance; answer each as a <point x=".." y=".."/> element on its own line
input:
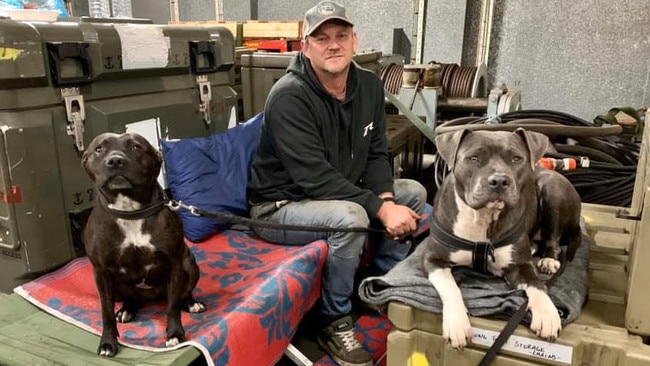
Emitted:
<point x="62" y="84"/>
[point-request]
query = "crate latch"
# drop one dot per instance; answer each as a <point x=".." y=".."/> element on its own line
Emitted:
<point x="76" y="114"/>
<point x="205" y="96"/>
<point x="624" y="214"/>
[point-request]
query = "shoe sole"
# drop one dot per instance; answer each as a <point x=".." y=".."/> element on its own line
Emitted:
<point x="339" y="361"/>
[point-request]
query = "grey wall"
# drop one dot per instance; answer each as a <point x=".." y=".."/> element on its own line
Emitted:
<point x="197" y="10"/>
<point x="581" y="57"/>
<point x="240" y="9"/>
<point x="156" y="10"/>
<point x="470" y="35"/>
<point x="443" y="37"/>
<point x="374" y="20"/>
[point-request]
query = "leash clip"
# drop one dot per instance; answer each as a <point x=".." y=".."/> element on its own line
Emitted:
<point x="193" y="210"/>
<point x="173" y="205"/>
<point x="177" y="205"/>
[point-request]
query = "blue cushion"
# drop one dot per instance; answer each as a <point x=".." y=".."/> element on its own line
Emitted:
<point x="212" y="173"/>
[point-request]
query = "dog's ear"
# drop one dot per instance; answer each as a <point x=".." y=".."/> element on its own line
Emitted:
<point x="159" y="156"/>
<point x="84" y="161"/>
<point x="537" y="144"/>
<point x="447" y="145"/>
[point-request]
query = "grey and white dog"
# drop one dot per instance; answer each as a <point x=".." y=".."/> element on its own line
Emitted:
<point x="485" y="215"/>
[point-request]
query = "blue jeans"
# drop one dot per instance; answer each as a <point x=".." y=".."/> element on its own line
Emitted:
<point x="345" y="248"/>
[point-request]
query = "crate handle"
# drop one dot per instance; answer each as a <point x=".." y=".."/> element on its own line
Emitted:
<point x="61" y="51"/>
<point x="203" y="50"/>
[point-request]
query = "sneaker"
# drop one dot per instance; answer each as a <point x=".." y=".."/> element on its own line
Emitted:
<point x="339" y="341"/>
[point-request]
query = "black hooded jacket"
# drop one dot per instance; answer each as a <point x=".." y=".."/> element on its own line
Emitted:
<point x="315" y="146"/>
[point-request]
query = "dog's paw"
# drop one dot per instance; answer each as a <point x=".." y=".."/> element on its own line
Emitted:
<point x="175" y="332"/>
<point x="173" y="341"/>
<point x="124" y="316"/>
<point x="107" y="348"/>
<point x="546" y="322"/>
<point x="548" y="265"/>
<point x="456" y="328"/>
<point x="196" y="307"/>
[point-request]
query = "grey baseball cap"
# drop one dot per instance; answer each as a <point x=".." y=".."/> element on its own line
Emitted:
<point x="322" y="12"/>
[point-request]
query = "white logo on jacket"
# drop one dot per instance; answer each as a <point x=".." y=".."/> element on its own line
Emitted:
<point x="368" y="127"/>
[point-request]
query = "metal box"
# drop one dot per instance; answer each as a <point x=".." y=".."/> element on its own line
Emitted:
<point x="260" y="70"/>
<point x="63" y="83"/>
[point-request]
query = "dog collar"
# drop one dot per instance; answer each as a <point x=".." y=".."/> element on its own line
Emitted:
<point x="147" y="211"/>
<point x="480" y="250"/>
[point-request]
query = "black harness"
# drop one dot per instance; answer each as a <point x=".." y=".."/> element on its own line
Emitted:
<point x="480" y="250"/>
<point x="480" y="253"/>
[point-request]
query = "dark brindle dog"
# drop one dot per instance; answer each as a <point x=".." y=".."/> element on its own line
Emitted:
<point x="484" y="216"/>
<point x="134" y="242"/>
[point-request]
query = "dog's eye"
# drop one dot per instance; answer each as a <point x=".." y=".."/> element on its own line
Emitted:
<point x="473" y="159"/>
<point x="517" y="159"/>
<point x="136" y="147"/>
<point x="99" y="149"/>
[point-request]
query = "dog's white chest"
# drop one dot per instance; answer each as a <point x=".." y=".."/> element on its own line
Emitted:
<point x="131" y="229"/>
<point x="473" y="225"/>
<point x="133" y="235"/>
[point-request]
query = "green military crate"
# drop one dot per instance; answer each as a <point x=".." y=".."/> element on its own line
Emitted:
<point x="260" y="70"/>
<point x="63" y="83"/>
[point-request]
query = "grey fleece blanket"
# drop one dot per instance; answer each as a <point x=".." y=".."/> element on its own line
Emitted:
<point x="484" y="295"/>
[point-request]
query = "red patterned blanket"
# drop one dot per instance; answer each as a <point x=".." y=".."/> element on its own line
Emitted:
<point x="256" y="294"/>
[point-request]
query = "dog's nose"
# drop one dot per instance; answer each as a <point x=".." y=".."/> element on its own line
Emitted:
<point x="115" y="160"/>
<point x="499" y="182"/>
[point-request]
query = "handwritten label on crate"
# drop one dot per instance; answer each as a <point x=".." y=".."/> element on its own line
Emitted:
<point x="526" y="346"/>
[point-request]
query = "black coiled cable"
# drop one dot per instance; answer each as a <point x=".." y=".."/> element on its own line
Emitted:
<point x="609" y="179"/>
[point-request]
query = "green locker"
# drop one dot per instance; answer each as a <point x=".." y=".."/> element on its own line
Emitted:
<point x="63" y="83"/>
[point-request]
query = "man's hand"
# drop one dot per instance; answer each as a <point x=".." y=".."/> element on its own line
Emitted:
<point x="397" y="219"/>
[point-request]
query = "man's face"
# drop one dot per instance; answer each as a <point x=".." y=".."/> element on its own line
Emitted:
<point x="330" y="47"/>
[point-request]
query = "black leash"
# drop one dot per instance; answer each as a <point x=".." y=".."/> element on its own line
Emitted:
<point x="516" y="318"/>
<point x="163" y="200"/>
<point x="234" y="219"/>
<point x="507" y="331"/>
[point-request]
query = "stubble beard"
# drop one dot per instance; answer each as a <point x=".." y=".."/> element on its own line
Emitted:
<point x="336" y="70"/>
